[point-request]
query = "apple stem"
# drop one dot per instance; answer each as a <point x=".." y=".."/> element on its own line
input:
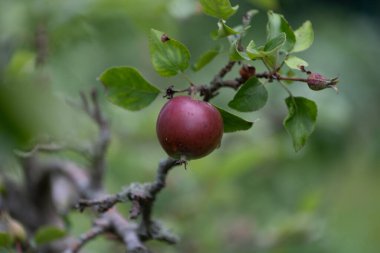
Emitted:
<point x="183" y="160"/>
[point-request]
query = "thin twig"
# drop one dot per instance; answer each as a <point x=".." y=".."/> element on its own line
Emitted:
<point x="85" y="238"/>
<point x="144" y="194"/>
<point x="209" y="92"/>
<point x="101" y="145"/>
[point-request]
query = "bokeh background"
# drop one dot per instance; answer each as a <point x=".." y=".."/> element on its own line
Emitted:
<point x="254" y="194"/>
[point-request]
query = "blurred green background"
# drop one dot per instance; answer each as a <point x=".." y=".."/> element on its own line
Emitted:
<point x="254" y="194"/>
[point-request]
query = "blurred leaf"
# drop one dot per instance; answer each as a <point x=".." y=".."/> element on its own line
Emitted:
<point x="275" y="44"/>
<point x="218" y="8"/>
<point x="301" y="120"/>
<point x="304" y="37"/>
<point x="294" y="62"/>
<point x="274" y="59"/>
<point x="233" y="123"/>
<point x="48" y="234"/>
<point x="28" y="111"/>
<point x="289" y="73"/>
<point x="235" y="54"/>
<point x="127" y="88"/>
<point x="168" y="56"/>
<point x="22" y="62"/>
<point x="206" y="58"/>
<point x="278" y="24"/>
<point x="6" y="240"/>
<point x="266" y="4"/>
<point x="2" y="186"/>
<point x="251" y="96"/>
<point x="253" y="51"/>
<point x="223" y="31"/>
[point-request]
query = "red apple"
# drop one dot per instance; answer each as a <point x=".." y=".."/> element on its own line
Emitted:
<point x="188" y="128"/>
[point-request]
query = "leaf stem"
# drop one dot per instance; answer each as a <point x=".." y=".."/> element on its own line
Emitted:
<point x="187" y="78"/>
<point x="285" y="88"/>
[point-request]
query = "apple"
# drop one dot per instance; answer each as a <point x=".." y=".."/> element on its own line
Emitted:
<point x="188" y="128"/>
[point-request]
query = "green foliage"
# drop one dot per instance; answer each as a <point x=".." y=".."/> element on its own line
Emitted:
<point x="260" y="165"/>
<point x="274" y="44"/>
<point x="266" y="4"/>
<point x="295" y="62"/>
<point x="277" y="24"/>
<point x="235" y="54"/>
<point x="6" y="240"/>
<point x="301" y="119"/>
<point x="206" y="58"/>
<point x="48" y="234"/>
<point x="223" y="30"/>
<point x="127" y="88"/>
<point x="233" y="123"/>
<point x="253" y="51"/>
<point x="218" y="8"/>
<point x="169" y="57"/>
<point x="304" y="37"/>
<point x="252" y="96"/>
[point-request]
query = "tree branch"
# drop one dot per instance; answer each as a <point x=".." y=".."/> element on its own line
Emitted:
<point x="85" y="238"/>
<point x="135" y="192"/>
<point x="142" y="197"/>
<point x="101" y="145"/>
<point x="208" y="92"/>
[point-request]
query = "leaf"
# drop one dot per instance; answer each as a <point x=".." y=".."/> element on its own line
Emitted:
<point x="253" y="51"/>
<point x="289" y="73"/>
<point x="274" y="59"/>
<point x="275" y="44"/>
<point x="294" y="62"/>
<point x="218" y="8"/>
<point x="233" y="123"/>
<point x="223" y="31"/>
<point x="48" y="234"/>
<point x="127" y="88"/>
<point x="235" y="54"/>
<point x="206" y="58"/>
<point x="251" y="96"/>
<point x="3" y="190"/>
<point x="6" y="240"/>
<point x="168" y="56"/>
<point x="278" y="24"/>
<point x="301" y="119"/>
<point x="266" y="4"/>
<point x="304" y="37"/>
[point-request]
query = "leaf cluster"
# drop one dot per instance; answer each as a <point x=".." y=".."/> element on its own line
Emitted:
<point x="126" y="87"/>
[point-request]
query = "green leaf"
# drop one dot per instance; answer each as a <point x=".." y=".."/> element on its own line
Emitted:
<point x="233" y="123"/>
<point x="251" y="96"/>
<point x="274" y="59"/>
<point x="301" y="119"/>
<point x="127" y="88"/>
<point x="6" y="240"/>
<point x="223" y="31"/>
<point x="266" y="4"/>
<point x="304" y="37"/>
<point x="206" y="58"/>
<point x="48" y="234"/>
<point x="294" y="62"/>
<point x="275" y="44"/>
<point x="290" y="73"/>
<point x="253" y="51"/>
<point x="3" y="190"/>
<point x="278" y="24"/>
<point x="235" y="54"/>
<point x="168" y="56"/>
<point x="218" y="8"/>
